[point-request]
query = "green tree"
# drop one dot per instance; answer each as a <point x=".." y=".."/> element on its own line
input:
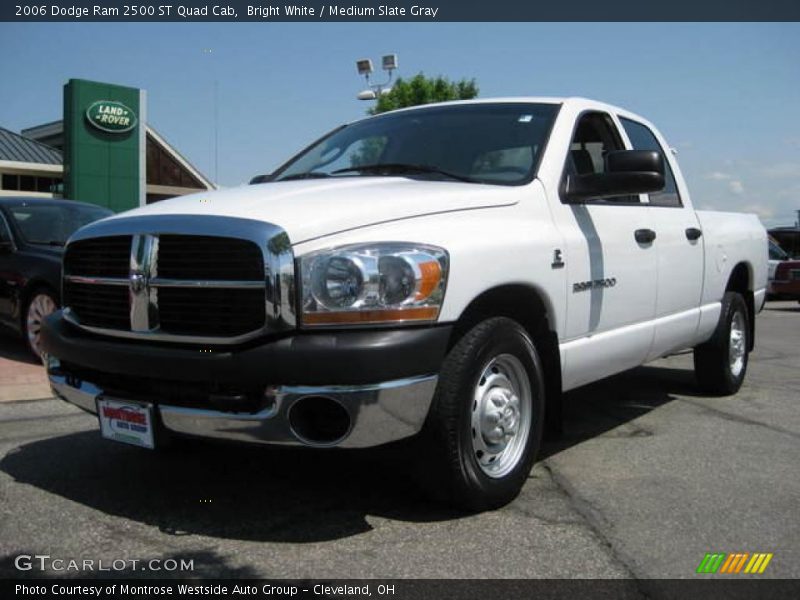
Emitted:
<point x="412" y="92"/>
<point x="424" y="90"/>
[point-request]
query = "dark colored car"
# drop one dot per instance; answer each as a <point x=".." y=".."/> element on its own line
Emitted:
<point x="32" y="236"/>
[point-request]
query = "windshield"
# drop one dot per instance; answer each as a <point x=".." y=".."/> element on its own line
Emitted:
<point x="481" y="143"/>
<point x="53" y="223"/>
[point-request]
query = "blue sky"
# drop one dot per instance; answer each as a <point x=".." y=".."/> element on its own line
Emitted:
<point x="725" y="95"/>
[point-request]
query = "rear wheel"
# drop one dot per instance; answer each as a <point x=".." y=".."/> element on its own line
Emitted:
<point x="41" y="304"/>
<point x="485" y="425"/>
<point x="720" y="364"/>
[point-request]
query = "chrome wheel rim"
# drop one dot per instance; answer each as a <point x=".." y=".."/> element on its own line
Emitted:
<point x="41" y="306"/>
<point x="737" y="344"/>
<point x="501" y="415"/>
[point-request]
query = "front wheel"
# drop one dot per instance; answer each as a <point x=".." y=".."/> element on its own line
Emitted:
<point x="721" y="363"/>
<point x="486" y="422"/>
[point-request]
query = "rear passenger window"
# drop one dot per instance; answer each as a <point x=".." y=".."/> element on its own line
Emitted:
<point x="643" y="139"/>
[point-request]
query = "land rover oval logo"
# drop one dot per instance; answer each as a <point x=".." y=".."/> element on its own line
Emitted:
<point x="111" y="116"/>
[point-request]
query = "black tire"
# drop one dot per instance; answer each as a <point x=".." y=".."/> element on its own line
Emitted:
<point x="32" y="314"/>
<point x="713" y="364"/>
<point x="449" y="463"/>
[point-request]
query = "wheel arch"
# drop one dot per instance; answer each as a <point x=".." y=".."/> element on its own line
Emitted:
<point x="532" y="309"/>
<point x="741" y="282"/>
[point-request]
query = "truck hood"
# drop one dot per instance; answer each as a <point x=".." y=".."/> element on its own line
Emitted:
<point x="310" y="209"/>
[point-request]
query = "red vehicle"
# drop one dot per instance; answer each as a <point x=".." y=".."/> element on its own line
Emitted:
<point x="784" y="275"/>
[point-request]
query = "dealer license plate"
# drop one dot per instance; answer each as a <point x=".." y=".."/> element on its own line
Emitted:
<point x="126" y="421"/>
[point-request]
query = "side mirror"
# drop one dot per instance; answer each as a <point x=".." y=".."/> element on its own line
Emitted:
<point x="7" y="247"/>
<point x="261" y="178"/>
<point x="628" y="172"/>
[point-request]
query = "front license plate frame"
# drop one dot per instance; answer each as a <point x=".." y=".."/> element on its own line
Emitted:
<point x="126" y="421"/>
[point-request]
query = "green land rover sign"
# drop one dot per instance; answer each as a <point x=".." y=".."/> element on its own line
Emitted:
<point x="105" y="144"/>
<point x="111" y="116"/>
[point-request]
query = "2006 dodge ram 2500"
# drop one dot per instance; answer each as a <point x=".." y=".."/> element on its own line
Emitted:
<point x="443" y="272"/>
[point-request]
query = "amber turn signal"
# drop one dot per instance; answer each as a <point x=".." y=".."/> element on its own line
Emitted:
<point x="350" y="317"/>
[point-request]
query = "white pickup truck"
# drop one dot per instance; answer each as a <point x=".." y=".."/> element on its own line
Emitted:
<point x="442" y="272"/>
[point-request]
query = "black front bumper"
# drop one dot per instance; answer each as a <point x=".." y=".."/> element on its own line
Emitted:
<point x="384" y="380"/>
<point x="319" y="358"/>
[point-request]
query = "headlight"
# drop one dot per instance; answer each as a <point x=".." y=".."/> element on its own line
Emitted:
<point x="373" y="283"/>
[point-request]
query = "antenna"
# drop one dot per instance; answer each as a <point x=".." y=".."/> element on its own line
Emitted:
<point x="209" y="52"/>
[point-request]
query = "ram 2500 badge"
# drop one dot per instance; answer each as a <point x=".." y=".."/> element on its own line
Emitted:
<point x="440" y="273"/>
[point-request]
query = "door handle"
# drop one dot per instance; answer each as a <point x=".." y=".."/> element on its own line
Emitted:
<point x="693" y="233"/>
<point x="644" y="236"/>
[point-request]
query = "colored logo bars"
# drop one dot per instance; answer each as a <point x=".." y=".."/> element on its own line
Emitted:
<point x="720" y="562"/>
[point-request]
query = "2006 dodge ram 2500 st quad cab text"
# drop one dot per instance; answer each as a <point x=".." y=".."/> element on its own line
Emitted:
<point x="442" y="272"/>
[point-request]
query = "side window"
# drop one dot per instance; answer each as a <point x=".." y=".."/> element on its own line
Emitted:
<point x="643" y="139"/>
<point x="595" y="136"/>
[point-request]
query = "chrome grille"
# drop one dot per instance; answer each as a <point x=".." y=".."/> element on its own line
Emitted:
<point x="191" y="283"/>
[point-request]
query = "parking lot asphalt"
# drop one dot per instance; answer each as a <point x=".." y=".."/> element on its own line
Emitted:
<point x="649" y="476"/>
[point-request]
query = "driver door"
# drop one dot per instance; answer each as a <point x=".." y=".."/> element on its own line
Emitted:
<point x="611" y="294"/>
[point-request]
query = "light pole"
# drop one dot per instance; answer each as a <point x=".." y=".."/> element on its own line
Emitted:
<point x="375" y="90"/>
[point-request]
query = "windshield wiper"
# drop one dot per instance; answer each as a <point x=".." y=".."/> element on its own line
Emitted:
<point x="405" y="168"/>
<point x="309" y="175"/>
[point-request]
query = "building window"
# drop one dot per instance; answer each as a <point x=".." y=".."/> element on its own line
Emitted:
<point x="47" y="184"/>
<point x="10" y="182"/>
<point x="30" y="183"/>
<point x="27" y="183"/>
<point x="163" y="169"/>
